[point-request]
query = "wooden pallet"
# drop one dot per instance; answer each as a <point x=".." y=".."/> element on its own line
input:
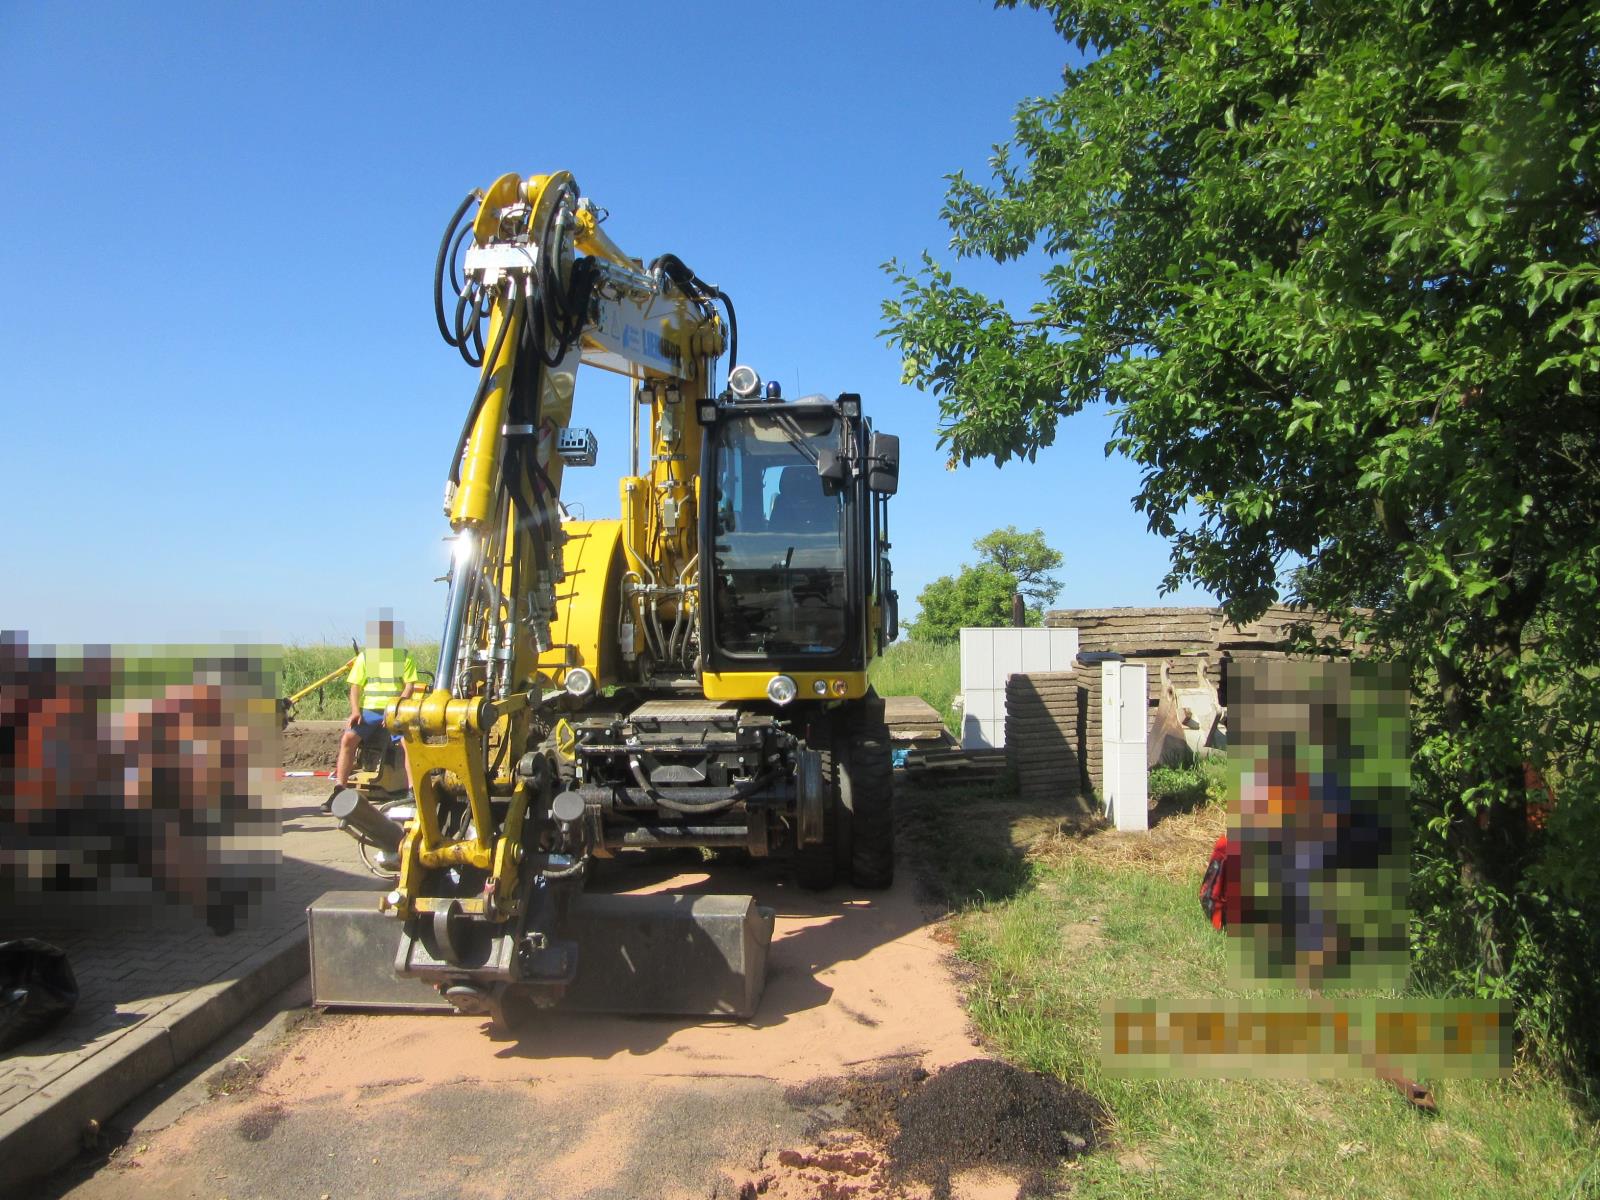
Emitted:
<point x="954" y="765"/>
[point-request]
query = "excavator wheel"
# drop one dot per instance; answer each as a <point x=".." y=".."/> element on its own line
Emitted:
<point x="866" y="790"/>
<point x="817" y="867"/>
<point x="858" y="824"/>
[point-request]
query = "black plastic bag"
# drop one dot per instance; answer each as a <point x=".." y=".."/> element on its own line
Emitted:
<point x="37" y="989"/>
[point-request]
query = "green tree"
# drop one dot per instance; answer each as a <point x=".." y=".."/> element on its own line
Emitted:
<point x="1009" y="562"/>
<point x="978" y="594"/>
<point x="1027" y="558"/>
<point x="1335" y="267"/>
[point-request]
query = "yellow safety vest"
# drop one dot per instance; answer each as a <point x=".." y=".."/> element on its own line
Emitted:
<point x="382" y="675"/>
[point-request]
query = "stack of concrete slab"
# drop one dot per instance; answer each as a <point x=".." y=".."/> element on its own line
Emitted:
<point x="1051" y="720"/>
<point x="914" y="724"/>
<point x="1052" y="716"/>
<point x="1130" y="631"/>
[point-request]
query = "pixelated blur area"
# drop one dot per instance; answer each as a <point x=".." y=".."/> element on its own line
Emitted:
<point x="1320" y="812"/>
<point x="143" y="779"/>
<point x="1307" y="1038"/>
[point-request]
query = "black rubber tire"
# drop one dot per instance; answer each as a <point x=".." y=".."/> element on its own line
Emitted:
<point x="816" y="868"/>
<point x="844" y="825"/>
<point x="866" y="787"/>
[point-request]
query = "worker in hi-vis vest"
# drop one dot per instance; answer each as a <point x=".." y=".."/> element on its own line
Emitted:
<point x="382" y="674"/>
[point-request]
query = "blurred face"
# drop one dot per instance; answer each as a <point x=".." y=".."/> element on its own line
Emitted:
<point x="381" y="634"/>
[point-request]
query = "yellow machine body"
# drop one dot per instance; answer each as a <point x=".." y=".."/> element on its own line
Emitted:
<point x="547" y="615"/>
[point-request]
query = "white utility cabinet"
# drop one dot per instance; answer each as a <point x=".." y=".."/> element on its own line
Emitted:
<point x="1124" y="728"/>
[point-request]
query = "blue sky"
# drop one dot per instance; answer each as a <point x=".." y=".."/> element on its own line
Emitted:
<point x="227" y="411"/>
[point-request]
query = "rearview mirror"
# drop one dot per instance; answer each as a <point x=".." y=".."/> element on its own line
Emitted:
<point x="883" y="464"/>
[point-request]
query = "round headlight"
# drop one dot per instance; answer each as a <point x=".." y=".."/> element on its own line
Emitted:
<point x="578" y="682"/>
<point x="840" y="687"/>
<point x="781" y="689"/>
<point x="820" y="687"/>
<point x="743" y="382"/>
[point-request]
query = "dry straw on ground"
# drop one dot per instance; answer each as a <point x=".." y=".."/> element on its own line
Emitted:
<point x="1171" y="848"/>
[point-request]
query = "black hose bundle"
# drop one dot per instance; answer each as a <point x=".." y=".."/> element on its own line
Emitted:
<point x="691" y="285"/>
<point x="482" y="393"/>
<point x="449" y="249"/>
<point x="551" y="318"/>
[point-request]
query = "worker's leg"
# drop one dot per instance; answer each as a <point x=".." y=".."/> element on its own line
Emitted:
<point x="368" y="728"/>
<point x="349" y="742"/>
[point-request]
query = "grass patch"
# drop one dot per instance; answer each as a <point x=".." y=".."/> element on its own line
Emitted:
<point x="1203" y="782"/>
<point x="1053" y="915"/>
<point x="967" y="846"/>
<point x="931" y="670"/>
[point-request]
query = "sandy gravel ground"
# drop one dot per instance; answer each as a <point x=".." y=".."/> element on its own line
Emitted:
<point x="398" y="1106"/>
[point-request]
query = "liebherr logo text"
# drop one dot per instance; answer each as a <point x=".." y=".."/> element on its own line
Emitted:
<point x="647" y="341"/>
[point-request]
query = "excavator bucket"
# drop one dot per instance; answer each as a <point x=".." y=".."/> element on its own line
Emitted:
<point x="667" y="954"/>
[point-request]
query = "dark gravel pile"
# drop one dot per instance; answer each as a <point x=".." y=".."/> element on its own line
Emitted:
<point x="983" y="1113"/>
<point x="875" y="1099"/>
<point x="866" y="1102"/>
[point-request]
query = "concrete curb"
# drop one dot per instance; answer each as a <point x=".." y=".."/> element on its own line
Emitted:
<point x="46" y="1130"/>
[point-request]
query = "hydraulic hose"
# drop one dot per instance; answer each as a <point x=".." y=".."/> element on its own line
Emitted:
<point x="692" y="285"/>
<point x="566" y="872"/>
<point x="733" y="328"/>
<point x="448" y="245"/>
<point x="483" y="391"/>
<point x="694" y="808"/>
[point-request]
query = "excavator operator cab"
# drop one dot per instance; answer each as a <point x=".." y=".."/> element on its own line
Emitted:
<point x="797" y="535"/>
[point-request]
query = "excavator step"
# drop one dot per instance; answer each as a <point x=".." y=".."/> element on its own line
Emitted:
<point x="668" y="954"/>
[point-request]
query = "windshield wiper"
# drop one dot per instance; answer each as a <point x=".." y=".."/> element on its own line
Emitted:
<point x="797" y="439"/>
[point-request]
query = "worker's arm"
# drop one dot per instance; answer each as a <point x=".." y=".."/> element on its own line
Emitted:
<point x="355" y="704"/>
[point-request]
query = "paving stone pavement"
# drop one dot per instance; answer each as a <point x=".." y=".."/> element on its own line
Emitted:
<point x="129" y="971"/>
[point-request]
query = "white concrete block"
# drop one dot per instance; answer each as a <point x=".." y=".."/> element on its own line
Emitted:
<point x="977" y="655"/>
<point x="1007" y="652"/>
<point x="1062" y="650"/>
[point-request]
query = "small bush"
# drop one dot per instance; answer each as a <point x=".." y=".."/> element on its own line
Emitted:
<point x="1205" y="782"/>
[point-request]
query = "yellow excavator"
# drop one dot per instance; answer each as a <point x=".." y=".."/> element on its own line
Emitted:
<point x="693" y="674"/>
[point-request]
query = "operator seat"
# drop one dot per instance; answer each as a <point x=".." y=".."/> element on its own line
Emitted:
<point x="800" y="505"/>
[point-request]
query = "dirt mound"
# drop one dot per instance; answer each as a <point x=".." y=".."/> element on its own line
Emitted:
<point x="983" y="1113"/>
<point x="310" y="745"/>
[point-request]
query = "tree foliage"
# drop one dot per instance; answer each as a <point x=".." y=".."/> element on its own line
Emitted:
<point x="1009" y="562"/>
<point x="1335" y="267"/>
<point x="1027" y="558"/>
<point x="977" y="595"/>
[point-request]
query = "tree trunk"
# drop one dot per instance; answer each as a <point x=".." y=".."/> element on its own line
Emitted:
<point x="1489" y="839"/>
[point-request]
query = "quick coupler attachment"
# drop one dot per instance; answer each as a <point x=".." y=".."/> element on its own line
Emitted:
<point x="450" y="947"/>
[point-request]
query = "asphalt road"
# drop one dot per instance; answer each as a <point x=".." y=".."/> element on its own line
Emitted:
<point x="342" y="1105"/>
